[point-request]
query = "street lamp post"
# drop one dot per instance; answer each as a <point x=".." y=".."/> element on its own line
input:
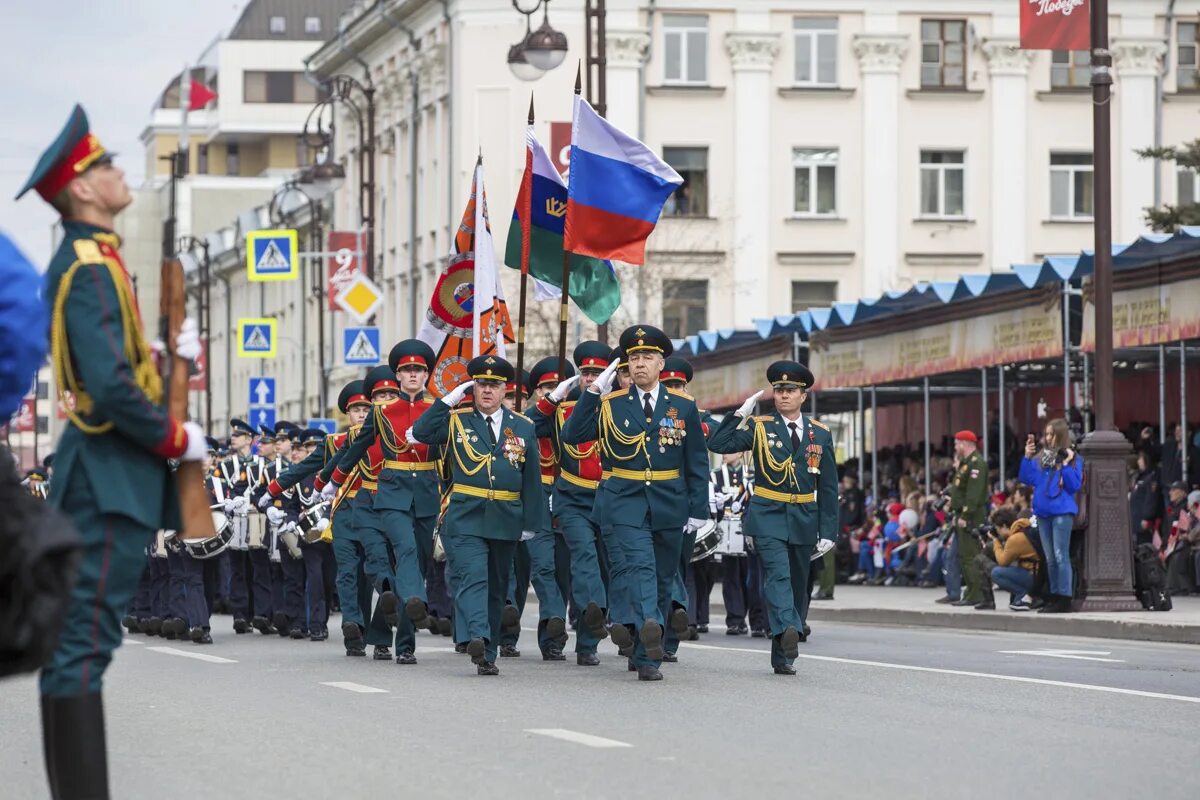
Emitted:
<point x="1108" y="573"/>
<point x="190" y="244"/>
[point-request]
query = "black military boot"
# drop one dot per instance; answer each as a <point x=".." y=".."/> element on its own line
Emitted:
<point x="73" y="743"/>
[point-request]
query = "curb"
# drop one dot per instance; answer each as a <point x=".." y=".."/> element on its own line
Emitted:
<point x="1064" y="625"/>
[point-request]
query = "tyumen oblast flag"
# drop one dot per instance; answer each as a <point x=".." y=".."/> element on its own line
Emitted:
<point x="594" y="286"/>
<point x="618" y="187"/>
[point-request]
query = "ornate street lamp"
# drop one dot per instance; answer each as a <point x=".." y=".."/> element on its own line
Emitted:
<point x="541" y="50"/>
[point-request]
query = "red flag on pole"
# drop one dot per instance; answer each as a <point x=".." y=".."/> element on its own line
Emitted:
<point x="1055" y="24"/>
<point x="199" y="95"/>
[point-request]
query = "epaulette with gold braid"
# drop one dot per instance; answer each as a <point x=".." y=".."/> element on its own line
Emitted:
<point x="763" y="418"/>
<point x="522" y="416"/>
<point x="819" y="424"/>
<point x="615" y="393"/>
<point x="88" y="252"/>
<point x="678" y="393"/>
<point x="463" y="410"/>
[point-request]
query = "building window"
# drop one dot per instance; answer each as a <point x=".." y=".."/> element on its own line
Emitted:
<point x="1070" y="185"/>
<point x="813" y="294"/>
<point x="1188" y="45"/>
<point x="201" y="159"/>
<point x="943" y="54"/>
<point x="1070" y="69"/>
<point x="815" y="180"/>
<point x="43" y="390"/>
<point x="690" y="199"/>
<point x="1189" y="187"/>
<point x="277" y="87"/>
<point x="303" y="152"/>
<point x="943" y="182"/>
<point x="685" y="48"/>
<point x="312" y="25"/>
<point x="816" y="40"/>
<point x="278" y="26"/>
<point x="232" y="165"/>
<point x="685" y="307"/>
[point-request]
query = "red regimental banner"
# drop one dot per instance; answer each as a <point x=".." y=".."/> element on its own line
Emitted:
<point x="1055" y="24"/>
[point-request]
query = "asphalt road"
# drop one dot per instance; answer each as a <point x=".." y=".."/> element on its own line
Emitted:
<point x="874" y="712"/>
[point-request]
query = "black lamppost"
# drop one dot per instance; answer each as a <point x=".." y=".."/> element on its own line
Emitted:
<point x="189" y="245"/>
<point x="343" y="89"/>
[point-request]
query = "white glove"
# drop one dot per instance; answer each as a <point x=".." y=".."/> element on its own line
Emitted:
<point x="604" y="381"/>
<point x="322" y="524"/>
<point x="456" y="394"/>
<point x="527" y="535"/>
<point x="187" y="343"/>
<point x="563" y="389"/>
<point x="408" y="437"/>
<point x="550" y="503"/>
<point x="823" y="547"/>
<point x="748" y="406"/>
<point x="694" y="524"/>
<point x="197" y="448"/>
<point x="276" y="515"/>
<point x="230" y="507"/>
<point x="329" y="491"/>
<point x="265" y="500"/>
<point x="736" y="506"/>
<point x="241" y="505"/>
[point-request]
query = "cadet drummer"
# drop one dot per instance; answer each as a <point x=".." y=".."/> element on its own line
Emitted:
<point x="795" y="505"/>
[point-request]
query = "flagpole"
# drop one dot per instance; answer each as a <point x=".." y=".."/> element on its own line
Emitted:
<point x="526" y="232"/>
<point x="566" y="273"/>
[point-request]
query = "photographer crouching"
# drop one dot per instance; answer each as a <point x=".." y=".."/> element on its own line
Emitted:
<point x="1009" y="559"/>
<point x="1055" y="473"/>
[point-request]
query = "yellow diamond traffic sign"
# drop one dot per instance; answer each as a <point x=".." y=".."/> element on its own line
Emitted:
<point x="360" y="298"/>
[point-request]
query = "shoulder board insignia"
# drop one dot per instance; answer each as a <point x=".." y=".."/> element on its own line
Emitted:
<point x="565" y="404"/>
<point x="684" y="395"/>
<point x="763" y="418"/>
<point x="615" y="393"/>
<point x="819" y="424"/>
<point x="464" y="410"/>
<point x="519" y="415"/>
<point x="88" y="252"/>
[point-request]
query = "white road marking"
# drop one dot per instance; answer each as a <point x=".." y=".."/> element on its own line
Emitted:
<point x="171" y="651"/>
<point x="130" y="640"/>
<point x="1181" y="698"/>
<point x="1079" y="655"/>
<point x="585" y="739"/>
<point x="354" y="687"/>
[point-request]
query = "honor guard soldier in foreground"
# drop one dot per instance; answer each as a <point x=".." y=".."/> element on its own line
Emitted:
<point x="496" y="496"/>
<point x="655" y="488"/>
<point x="111" y="473"/>
<point x="793" y="513"/>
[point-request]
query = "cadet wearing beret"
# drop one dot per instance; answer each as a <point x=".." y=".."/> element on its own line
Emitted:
<point x="112" y="477"/>
<point x="496" y="495"/>
<point x="795" y="504"/>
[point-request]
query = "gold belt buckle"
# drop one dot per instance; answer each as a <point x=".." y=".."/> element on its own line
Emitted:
<point x="491" y="494"/>
<point x="649" y="476"/>
<point x="792" y="498"/>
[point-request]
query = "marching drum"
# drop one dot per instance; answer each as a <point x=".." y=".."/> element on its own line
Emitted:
<point x="256" y="532"/>
<point x="708" y="539"/>
<point x="311" y="529"/>
<point x="213" y="545"/>
<point x="732" y="541"/>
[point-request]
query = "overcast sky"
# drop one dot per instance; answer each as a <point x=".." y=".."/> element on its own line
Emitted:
<point x="111" y="56"/>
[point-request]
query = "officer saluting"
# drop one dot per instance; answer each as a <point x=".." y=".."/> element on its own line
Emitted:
<point x="496" y="495"/>
<point x="793" y="514"/>
<point x="656" y="486"/>
<point x="111" y="474"/>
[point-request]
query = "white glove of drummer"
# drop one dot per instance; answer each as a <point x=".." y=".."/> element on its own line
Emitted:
<point x="748" y="407"/>
<point x="322" y="524"/>
<point x="276" y="515"/>
<point x="408" y="436"/>
<point x="527" y="535"/>
<point x="230" y="507"/>
<point x="197" y="447"/>
<point x="694" y="524"/>
<point x="329" y="490"/>
<point x="241" y="505"/>
<point x="563" y="389"/>
<point x="823" y="547"/>
<point x="265" y="500"/>
<point x="736" y="506"/>
<point x="604" y="381"/>
<point x="455" y="395"/>
<point x="187" y="343"/>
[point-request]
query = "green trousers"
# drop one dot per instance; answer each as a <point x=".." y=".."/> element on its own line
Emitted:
<point x="968" y="548"/>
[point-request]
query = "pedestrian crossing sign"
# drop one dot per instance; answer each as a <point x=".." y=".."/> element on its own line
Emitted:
<point x="272" y="255"/>
<point x="256" y="338"/>
<point x="360" y="347"/>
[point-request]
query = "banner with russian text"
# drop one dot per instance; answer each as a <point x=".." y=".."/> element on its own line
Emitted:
<point x="1030" y="333"/>
<point x="1168" y="312"/>
<point x="344" y="263"/>
<point x="1056" y="24"/>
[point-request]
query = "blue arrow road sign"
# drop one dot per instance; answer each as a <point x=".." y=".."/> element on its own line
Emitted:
<point x="262" y="392"/>
<point x="360" y="347"/>
<point x="262" y="415"/>
<point x="325" y="424"/>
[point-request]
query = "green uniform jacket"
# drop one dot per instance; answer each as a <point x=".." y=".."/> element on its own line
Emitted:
<point x="778" y="468"/>
<point x="126" y="465"/>
<point x="569" y="497"/>
<point x="969" y="491"/>
<point x="671" y="442"/>
<point x="512" y="466"/>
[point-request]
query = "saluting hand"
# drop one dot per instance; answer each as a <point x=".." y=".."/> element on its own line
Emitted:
<point x="604" y="381"/>
<point x="564" y="388"/>
<point x="748" y="406"/>
<point x="455" y="395"/>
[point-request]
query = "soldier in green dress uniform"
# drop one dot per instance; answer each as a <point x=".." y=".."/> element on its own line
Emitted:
<point x="793" y="513"/>
<point x="655" y="485"/>
<point x="496" y="496"/>
<point x="968" y="500"/>
<point x="111" y="472"/>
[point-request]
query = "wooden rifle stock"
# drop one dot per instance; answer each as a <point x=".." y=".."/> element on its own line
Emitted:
<point x="194" y="507"/>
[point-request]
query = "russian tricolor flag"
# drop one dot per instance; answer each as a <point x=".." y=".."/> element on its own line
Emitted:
<point x="616" y="192"/>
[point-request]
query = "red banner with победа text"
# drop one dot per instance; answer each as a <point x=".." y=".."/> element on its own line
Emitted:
<point x="1056" y="24"/>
